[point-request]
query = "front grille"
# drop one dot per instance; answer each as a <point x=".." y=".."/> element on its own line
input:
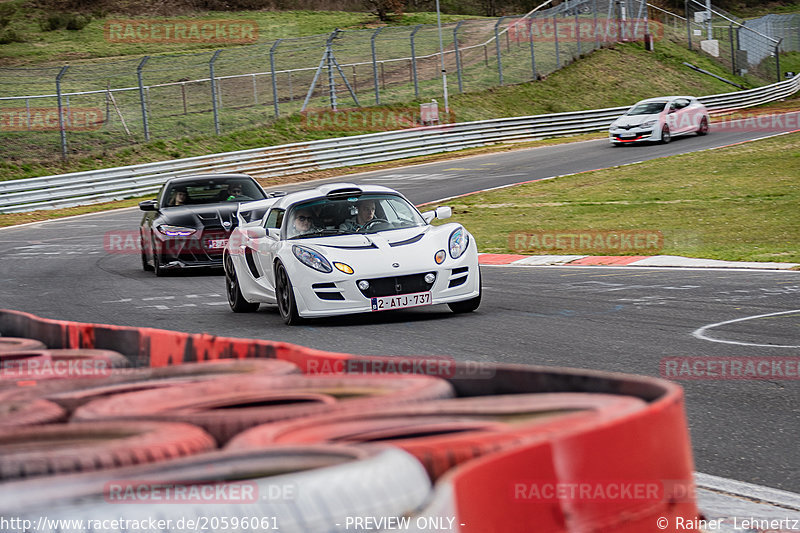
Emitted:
<point x="394" y="285"/>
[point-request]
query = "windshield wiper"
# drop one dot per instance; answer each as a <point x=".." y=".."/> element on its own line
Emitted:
<point x="321" y="233"/>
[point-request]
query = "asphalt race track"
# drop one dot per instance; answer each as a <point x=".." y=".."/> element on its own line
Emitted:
<point x="618" y="319"/>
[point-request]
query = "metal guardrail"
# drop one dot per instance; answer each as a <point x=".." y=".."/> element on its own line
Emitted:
<point x="80" y="188"/>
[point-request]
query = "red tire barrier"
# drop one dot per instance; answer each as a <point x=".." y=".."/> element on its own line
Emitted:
<point x="63" y="448"/>
<point x="306" y="489"/>
<point x="17" y="344"/>
<point x="23" y="412"/>
<point x="227" y="406"/>
<point x="560" y="485"/>
<point x="651" y="443"/>
<point x="72" y="393"/>
<point x="111" y="358"/>
<point x="445" y="433"/>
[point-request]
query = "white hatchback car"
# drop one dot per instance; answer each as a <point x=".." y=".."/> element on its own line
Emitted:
<point x="344" y="248"/>
<point x="659" y="119"/>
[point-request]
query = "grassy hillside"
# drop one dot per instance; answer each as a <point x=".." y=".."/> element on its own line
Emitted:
<point x="609" y="77"/>
<point x="33" y="46"/>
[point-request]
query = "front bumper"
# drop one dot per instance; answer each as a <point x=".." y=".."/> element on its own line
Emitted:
<point x="190" y="252"/>
<point x="340" y="295"/>
<point x="634" y="135"/>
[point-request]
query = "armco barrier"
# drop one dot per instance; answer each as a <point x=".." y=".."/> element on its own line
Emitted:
<point x="491" y="494"/>
<point x="79" y="188"/>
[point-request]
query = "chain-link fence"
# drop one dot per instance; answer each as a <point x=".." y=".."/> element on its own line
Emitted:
<point x="90" y="107"/>
<point x="784" y="28"/>
<point x="743" y="49"/>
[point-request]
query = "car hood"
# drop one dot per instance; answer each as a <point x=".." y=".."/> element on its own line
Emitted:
<point x="634" y="120"/>
<point x="365" y="241"/>
<point x="198" y="216"/>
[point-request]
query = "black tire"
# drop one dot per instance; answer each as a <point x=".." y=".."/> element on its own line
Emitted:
<point x="468" y="306"/>
<point x="157" y="263"/>
<point x="702" y="129"/>
<point x="666" y="136"/>
<point x="147" y="267"/>
<point x="235" y="297"/>
<point x="284" y="293"/>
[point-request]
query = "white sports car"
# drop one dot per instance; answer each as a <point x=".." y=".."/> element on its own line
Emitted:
<point x="659" y="120"/>
<point x="344" y="248"/>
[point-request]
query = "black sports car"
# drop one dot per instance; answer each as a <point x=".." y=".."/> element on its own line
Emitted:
<point x="189" y="223"/>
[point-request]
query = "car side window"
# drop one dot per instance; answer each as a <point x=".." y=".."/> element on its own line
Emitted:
<point x="680" y="104"/>
<point x="274" y="219"/>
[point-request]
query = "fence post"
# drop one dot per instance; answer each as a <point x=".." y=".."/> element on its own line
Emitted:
<point x="142" y="100"/>
<point x="274" y="78"/>
<point x="778" y="58"/>
<point x="594" y="27"/>
<point x="61" y="113"/>
<point x="375" y="66"/>
<point x="255" y="89"/>
<point x="458" y="56"/>
<point x="555" y="34"/>
<point x="578" y="30"/>
<point x="414" y="61"/>
<point x="497" y="48"/>
<point x="329" y="60"/>
<point x="28" y="114"/>
<point x="688" y="22"/>
<point x="214" y="90"/>
<point x="733" y="52"/>
<point x="530" y="41"/>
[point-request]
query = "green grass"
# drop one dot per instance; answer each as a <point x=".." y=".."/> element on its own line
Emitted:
<point x="737" y="203"/>
<point x="66" y="46"/>
<point x="601" y="79"/>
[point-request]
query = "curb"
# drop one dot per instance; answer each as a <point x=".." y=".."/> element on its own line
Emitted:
<point x="626" y="260"/>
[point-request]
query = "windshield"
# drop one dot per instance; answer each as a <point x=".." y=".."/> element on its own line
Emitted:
<point x="210" y="191"/>
<point x="368" y="213"/>
<point x="647" y="108"/>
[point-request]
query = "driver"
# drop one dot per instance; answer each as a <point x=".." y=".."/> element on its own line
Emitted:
<point x="365" y="214"/>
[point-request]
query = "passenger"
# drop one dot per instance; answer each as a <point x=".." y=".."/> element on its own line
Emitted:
<point x="302" y="222"/>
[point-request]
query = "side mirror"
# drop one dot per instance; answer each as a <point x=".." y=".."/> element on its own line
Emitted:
<point x="274" y="233"/>
<point x="256" y="232"/>
<point x="439" y="212"/>
<point x="149" y="205"/>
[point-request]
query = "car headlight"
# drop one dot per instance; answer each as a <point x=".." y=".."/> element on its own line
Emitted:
<point x="648" y="124"/>
<point x="175" y="231"/>
<point x="459" y="240"/>
<point x="312" y="259"/>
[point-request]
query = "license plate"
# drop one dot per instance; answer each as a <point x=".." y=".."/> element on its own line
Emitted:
<point x="217" y="243"/>
<point x="628" y="136"/>
<point x="387" y="303"/>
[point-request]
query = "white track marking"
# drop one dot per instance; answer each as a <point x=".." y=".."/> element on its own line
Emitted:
<point x="700" y="333"/>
